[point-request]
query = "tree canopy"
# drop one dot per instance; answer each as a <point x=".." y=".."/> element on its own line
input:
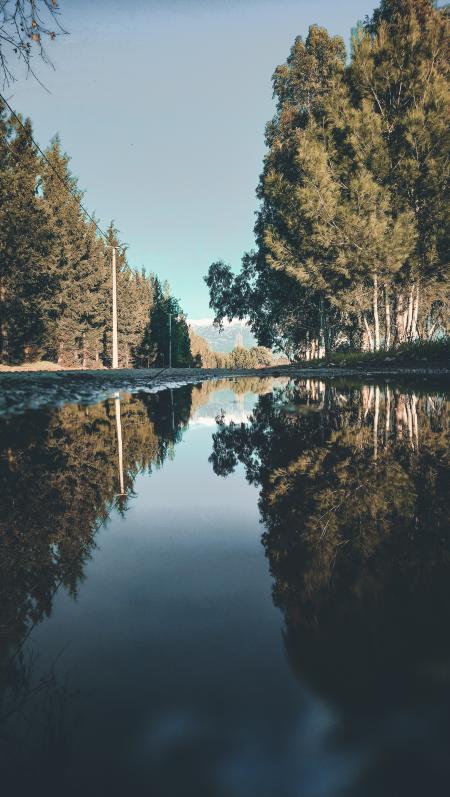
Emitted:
<point x="352" y="231"/>
<point x="55" y="270"/>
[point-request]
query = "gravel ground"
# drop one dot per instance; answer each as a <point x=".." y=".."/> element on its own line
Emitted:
<point x="20" y="391"/>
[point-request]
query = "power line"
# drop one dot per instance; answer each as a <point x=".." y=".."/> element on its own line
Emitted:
<point x="64" y="182"/>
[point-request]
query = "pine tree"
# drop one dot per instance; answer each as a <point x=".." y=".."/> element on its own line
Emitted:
<point x="161" y="330"/>
<point x="27" y="267"/>
<point x="134" y="304"/>
<point x="55" y="268"/>
<point x="80" y="266"/>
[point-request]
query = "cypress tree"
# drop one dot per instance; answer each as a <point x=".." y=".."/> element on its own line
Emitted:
<point x="134" y="303"/>
<point x="158" y="335"/>
<point x="27" y="268"/>
<point x="79" y="265"/>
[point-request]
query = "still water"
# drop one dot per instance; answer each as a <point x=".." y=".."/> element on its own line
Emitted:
<point x="235" y="589"/>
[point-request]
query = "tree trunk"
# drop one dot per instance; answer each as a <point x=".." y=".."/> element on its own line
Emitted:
<point x="60" y="354"/>
<point x="368" y="334"/>
<point x="4" y="342"/>
<point x="400" y="319"/>
<point x="409" y="316"/>
<point x="321" y="332"/>
<point x="431" y="330"/>
<point x="328" y="334"/>
<point x="4" y="353"/>
<point x="84" y="352"/>
<point x="387" y="319"/>
<point x="376" y="318"/>
<point x="415" y="315"/>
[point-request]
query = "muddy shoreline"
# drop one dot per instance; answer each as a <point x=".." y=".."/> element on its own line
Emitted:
<point x="23" y="390"/>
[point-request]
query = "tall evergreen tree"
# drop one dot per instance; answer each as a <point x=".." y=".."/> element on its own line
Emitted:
<point x="80" y="267"/>
<point x="55" y="268"/>
<point x="134" y="303"/>
<point x="168" y="329"/>
<point x="27" y="266"/>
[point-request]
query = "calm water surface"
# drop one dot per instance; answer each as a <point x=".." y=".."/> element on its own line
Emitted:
<point x="237" y="589"/>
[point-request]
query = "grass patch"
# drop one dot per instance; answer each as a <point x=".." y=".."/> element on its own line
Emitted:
<point x="39" y="365"/>
<point x="417" y="354"/>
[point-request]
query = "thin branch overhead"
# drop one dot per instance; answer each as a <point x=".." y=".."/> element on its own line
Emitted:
<point x="25" y="28"/>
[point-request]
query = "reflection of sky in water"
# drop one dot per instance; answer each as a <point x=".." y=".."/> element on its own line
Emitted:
<point x="229" y="406"/>
<point x="175" y="650"/>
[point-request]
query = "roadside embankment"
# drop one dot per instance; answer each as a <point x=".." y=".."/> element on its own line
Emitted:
<point x="22" y="390"/>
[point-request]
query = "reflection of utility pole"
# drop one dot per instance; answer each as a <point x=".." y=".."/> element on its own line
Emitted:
<point x="119" y="444"/>
<point x="115" y="353"/>
<point x="170" y="337"/>
<point x="170" y="340"/>
<point x="173" y="414"/>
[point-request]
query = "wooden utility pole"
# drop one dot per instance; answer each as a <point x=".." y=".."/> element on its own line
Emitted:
<point x="115" y="352"/>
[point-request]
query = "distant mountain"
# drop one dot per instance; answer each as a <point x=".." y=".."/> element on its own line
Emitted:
<point x="234" y="333"/>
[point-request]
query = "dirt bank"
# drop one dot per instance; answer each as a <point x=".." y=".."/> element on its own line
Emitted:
<point x="21" y="390"/>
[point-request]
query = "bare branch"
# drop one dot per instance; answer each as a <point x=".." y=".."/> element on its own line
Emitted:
<point x="25" y="28"/>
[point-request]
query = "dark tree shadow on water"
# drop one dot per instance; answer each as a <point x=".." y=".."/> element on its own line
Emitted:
<point x="353" y="497"/>
<point x="62" y="473"/>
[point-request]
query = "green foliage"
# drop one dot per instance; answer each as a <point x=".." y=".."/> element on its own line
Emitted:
<point x="203" y="355"/>
<point x="28" y="280"/>
<point x="59" y="481"/>
<point x="353" y="489"/>
<point x="56" y="272"/>
<point x="74" y="325"/>
<point x="167" y="334"/>
<point x="239" y="357"/>
<point x="352" y="232"/>
<point x="256" y="357"/>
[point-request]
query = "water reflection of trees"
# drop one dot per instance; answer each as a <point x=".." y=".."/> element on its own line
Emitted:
<point x="240" y="386"/>
<point x="61" y="473"/>
<point x="353" y="498"/>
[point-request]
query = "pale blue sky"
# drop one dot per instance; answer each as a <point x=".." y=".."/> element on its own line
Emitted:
<point x="162" y="106"/>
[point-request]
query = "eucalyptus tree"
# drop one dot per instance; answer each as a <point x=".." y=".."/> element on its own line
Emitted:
<point x="400" y="73"/>
<point x="354" y="191"/>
